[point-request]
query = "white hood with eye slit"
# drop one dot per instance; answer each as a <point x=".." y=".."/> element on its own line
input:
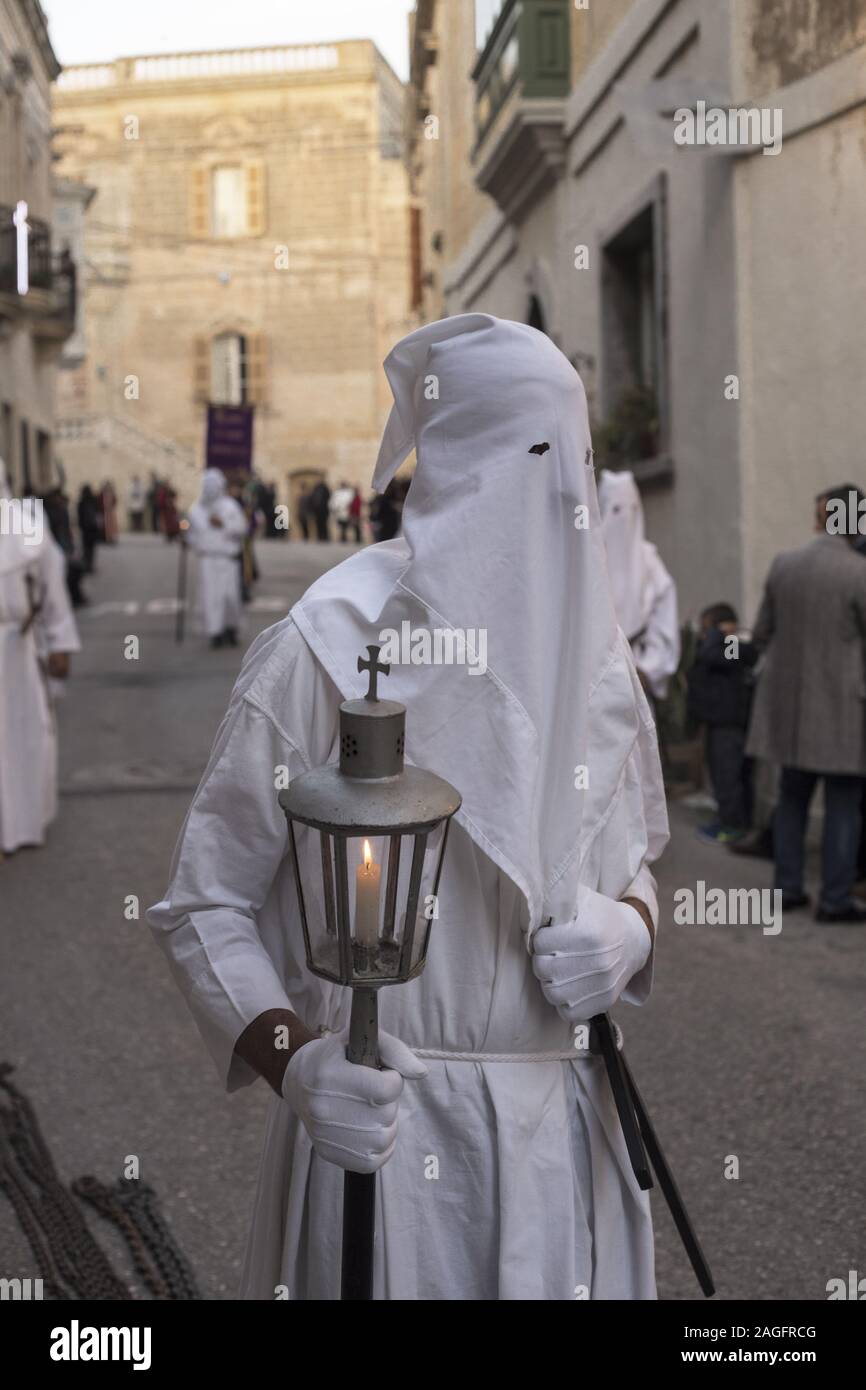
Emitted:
<point x="500" y="534"/>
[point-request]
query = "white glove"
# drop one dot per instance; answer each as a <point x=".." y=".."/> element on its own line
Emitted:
<point x="349" y="1111"/>
<point x="585" y="964"/>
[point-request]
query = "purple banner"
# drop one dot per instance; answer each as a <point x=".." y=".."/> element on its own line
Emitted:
<point x="230" y="438"/>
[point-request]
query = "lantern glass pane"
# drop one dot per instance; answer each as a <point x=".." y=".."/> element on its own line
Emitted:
<point x="368" y="902"/>
<point x="389" y="880"/>
<point x="318" y="897"/>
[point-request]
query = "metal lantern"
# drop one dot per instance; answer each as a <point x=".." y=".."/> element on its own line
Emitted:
<point x="382" y="828"/>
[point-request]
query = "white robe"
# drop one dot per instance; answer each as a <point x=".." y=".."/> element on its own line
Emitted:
<point x="535" y="1198"/>
<point x="657" y="648"/>
<point x="28" y="740"/>
<point x="644" y="593"/>
<point x="218" y="549"/>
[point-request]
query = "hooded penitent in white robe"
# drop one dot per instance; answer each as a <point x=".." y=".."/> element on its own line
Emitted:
<point x="32" y="575"/>
<point x="644" y="594"/>
<point x="218" y="605"/>
<point x="553" y="749"/>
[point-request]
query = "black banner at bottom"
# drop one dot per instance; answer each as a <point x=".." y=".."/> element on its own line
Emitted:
<point x="257" y="1339"/>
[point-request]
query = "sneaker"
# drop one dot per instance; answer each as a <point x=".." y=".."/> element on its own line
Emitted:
<point x="853" y="911"/>
<point x="721" y="834"/>
<point x="731" y="836"/>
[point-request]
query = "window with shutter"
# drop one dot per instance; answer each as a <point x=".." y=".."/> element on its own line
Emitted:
<point x="257" y="369"/>
<point x="229" y="369"/>
<point x="254" y="171"/>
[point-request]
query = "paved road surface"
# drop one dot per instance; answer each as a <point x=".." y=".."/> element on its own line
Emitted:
<point x="752" y="1045"/>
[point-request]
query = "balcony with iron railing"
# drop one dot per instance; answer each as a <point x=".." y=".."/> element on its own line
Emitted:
<point x="49" y="297"/>
<point x="522" y="78"/>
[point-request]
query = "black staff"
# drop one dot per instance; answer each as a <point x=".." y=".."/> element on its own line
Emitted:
<point x="642" y="1142"/>
<point x="181" y="584"/>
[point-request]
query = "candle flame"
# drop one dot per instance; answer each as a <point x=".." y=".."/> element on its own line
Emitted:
<point x="368" y="856"/>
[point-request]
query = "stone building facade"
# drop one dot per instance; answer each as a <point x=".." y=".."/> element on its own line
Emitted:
<point x="36" y="293"/>
<point x="249" y="243"/>
<point x="705" y="291"/>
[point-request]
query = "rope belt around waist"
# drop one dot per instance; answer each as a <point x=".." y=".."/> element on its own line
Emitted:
<point x="574" y="1054"/>
<point x="644" y="1150"/>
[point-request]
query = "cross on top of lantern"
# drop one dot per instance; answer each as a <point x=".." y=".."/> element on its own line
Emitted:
<point x="372" y="813"/>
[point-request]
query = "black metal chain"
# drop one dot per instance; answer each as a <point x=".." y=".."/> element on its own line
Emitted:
<point x="73" y="1265"/>
<point x="11" y="1184"/>
<point x="132" y="1206"/>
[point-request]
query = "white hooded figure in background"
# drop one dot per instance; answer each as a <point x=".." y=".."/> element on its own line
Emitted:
<point x="553" y="748"/>
<point x="217" y="525"/>
<point x="644" y="594"/>
<point x="37" y="633"/>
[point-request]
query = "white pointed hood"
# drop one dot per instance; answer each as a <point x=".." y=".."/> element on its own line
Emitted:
<point x="627" y="550"/>
<point x="213" y="486"/>
<point x="490" y="541"/>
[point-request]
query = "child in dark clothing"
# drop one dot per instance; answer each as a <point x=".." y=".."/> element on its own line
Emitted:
<point x="720" y="697"/>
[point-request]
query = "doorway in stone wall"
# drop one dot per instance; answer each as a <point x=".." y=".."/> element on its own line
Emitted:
<point x="303" y="480"/>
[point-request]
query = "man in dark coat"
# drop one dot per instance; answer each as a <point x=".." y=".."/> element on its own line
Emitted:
<point x="810" y="707"/>
<point x="89" y="525"/>
<point x="320" y="499"/>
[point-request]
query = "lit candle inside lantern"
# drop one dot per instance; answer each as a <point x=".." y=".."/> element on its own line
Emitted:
<point x="368" y="881"/>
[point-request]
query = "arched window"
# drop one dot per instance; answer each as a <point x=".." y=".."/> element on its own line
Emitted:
<point x="229" y="369"/>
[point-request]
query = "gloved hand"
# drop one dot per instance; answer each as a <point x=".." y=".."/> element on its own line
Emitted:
<point x="585" y="964"/>
<point x="349" y="1111"/>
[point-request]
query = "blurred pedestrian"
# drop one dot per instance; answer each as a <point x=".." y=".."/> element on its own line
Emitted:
<point x="135" y="503"/>
<point x="303" y="513"/>
<point x="89" y="527"/>
<point x="340" y="508"/>
<point x="217" y="525"/>
<point x="268" y="507"/>
<point x="720" y="696"/>
<point x="153" y="503"/>
<point x="244" y="491"/>
<point x="37" y="635"/>
<point x="108" y="512"/>
<point x="644" y="594"/>
<point x="809" y="710"/>
<point x="385" y="513"/>
<point x="355" y="510"/>
<point x="169" y="515"/>
<point x="320" y="499"/>
<point x="56" y="506"/>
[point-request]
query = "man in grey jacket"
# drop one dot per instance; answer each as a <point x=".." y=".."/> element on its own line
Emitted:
<point x="810" y="708"/>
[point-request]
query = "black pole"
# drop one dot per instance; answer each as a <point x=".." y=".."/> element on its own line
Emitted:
<point x="181" y="590"/>
<point x="359" y="1189"/>
<point x="619" y="1085"/>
